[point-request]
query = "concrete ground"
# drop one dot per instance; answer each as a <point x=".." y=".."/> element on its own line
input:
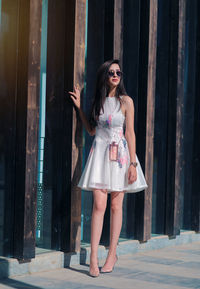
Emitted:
<point x="175" y="267"/>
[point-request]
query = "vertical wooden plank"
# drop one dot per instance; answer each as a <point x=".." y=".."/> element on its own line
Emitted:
<point x="179" y="116"/>
<point x="118" y="30"/>
<point x="27" y="128"/>
<point x="32" y="128"/>
<point x="149" y="159"/>
<point x="175" y="118"/>
<point x="79" y="69"/>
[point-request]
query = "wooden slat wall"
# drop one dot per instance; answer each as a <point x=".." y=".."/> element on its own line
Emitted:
<point x="27" y="127"/>
<point x="73" y="69"/>
<point x="176" y="70"/>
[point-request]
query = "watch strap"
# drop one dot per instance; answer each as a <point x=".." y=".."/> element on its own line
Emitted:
<point x="134" y="164"/>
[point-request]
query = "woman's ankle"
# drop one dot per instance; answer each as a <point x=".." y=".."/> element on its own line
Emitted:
<point x="111" y="253"/>
<point x="93" y="257"/>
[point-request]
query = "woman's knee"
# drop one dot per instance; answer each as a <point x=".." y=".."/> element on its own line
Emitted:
<point x="116" y="207"/>
<point x="99" y="206"/>
<point x="117" y="202"/>
<point x="100" y="201"/>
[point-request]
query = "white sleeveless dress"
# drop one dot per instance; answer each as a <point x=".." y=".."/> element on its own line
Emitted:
<point x="99" y="171"/>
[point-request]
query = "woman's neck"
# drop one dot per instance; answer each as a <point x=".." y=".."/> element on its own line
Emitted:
<point x="112" y="92"/>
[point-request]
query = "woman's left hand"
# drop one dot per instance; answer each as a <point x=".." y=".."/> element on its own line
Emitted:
<point x="132" y="174"/>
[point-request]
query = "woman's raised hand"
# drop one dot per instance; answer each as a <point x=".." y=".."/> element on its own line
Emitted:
<point x="75" y="96"/>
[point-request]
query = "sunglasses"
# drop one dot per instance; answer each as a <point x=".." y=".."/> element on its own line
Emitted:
<point x="111" y="73"/>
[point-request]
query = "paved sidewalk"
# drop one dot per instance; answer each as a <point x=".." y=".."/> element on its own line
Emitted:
<point x="169" y="268"/>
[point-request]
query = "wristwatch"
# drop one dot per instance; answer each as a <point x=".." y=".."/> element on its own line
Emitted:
<point x="134" y="164"/>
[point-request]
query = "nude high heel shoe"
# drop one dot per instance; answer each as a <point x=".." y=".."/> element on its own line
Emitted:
<point x="104" y="272"/>
<point x="95" y="273"/>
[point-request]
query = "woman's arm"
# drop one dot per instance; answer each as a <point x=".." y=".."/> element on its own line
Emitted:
<point x="75" y="96"/>
<point x="129" y="133"/>
<point x="130" y="137"/>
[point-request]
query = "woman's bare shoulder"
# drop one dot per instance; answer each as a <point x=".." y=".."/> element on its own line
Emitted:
<point x="127" y="100"/>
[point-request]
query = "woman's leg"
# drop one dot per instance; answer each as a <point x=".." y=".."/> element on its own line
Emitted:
<point x="99" y="207"/>
<point x="115" y="229"/>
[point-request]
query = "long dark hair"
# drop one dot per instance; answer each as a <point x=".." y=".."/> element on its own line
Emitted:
<point x="102" y="90"/>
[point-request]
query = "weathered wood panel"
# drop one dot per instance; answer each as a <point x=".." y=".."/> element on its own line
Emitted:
<point x="149" y="160"/>
<point x="118" y="29"/>
<point x="27" y="127"/>
<point x="175" y="118"/>
<point x="79" y="70"/>
<point x="179" y="116"/>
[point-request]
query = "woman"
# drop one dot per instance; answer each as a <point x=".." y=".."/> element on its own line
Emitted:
<point x="112" y="165"/>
